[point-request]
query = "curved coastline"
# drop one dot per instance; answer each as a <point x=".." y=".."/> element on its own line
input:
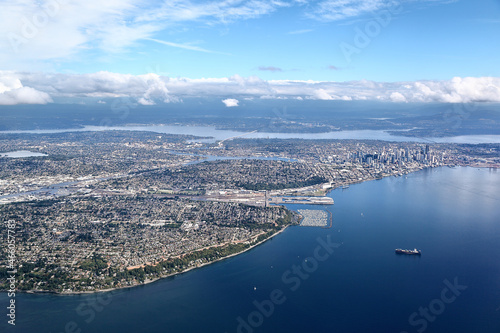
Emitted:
<point x="189" y="268"/>
<point x="156" y="279"/>
<point x="228" y="256"/>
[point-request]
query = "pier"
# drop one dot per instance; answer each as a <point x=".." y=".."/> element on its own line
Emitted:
<point x="302" y="200"/>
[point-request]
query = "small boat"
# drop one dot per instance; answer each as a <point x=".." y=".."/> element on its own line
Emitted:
<point x="414" y="251"/>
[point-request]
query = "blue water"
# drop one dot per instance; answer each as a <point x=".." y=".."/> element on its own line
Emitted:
<point x="218" y="134"/>
<point x="21" y="153"/>
<point x="451" y="214"/>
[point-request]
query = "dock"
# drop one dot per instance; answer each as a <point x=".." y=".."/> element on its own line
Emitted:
<point x="301" y="200"/>
<point x="313" y="218"/>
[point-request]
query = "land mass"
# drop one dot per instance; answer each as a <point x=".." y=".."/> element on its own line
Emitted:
<point x="102" y="210"/>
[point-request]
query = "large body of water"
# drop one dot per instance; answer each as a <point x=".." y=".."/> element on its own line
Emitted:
<point x="451" y="214"/>
<point x="219" y="134"/>
<point x="21" y="154"/>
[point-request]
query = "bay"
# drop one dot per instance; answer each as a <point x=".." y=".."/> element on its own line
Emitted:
<point x="451" y="214"/>
<point x="221" y="134"/>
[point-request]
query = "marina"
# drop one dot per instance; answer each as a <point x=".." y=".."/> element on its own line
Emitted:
<point x="313" y="218"/>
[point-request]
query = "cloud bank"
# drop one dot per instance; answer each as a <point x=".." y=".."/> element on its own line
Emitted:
<point x="149" y="89"/>
<point x="13" y="92"/>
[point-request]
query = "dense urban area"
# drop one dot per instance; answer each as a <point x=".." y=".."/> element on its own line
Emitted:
<point x="94" y="211"/>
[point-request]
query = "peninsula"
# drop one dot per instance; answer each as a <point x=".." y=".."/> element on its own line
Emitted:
<point x="94" y="211"/>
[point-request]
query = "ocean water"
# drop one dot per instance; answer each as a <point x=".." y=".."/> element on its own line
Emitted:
<point x="343" y="279"/>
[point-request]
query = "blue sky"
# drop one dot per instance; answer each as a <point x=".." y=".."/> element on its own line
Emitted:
<point x="424" y="41"/>
<point x="324" y="40"/>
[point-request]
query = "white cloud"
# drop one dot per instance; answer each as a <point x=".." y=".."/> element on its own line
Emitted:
<point x="230" y="102"/>
<point x="397" y="97"/>
<point x="39" y="34"/>
<point x="146" y="89"/>
<point x="457" y="90"/>
<point x="41" y="31"/>
<point x="149" y="89"/>
<point x="144" y="101"/>
<point x="13" y="92"/>
<point x="335" y="10"/>
<point x="321" y="94"/>
<point x="155" y="89"/>
<point x="181" y="46"/>
<point x="24" y="95"/>
<point x="212" y="11"/>
<point x="51" y="29"/>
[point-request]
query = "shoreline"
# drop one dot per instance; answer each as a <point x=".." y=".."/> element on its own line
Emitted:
<point x="395" y="135"/>
<point x="156" y="279"/>
<point x="236" y="253"/>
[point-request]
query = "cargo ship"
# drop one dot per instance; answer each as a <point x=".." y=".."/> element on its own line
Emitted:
<point x="414" y="251"/>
